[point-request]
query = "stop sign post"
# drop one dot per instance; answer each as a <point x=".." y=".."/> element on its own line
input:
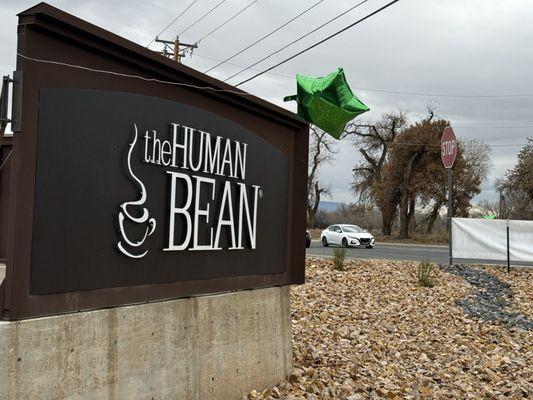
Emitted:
<point x="448" y="152"/>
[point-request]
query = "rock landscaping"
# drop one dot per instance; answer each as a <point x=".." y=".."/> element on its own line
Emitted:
<point x="372" y="332"/>
<point x="493" y="299"/>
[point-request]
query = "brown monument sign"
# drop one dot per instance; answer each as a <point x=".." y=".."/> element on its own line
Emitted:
<point x="134" y="178"/>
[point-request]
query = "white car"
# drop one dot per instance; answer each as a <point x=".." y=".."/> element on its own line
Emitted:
<point x="347" y="236"/>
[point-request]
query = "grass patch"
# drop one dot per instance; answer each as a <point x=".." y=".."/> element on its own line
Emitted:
<point x="339" y="254"/>
<point x="424" y="274"/>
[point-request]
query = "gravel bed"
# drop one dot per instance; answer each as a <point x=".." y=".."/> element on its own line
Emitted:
<point x="371" y="332"/>
<point x="493" y="299"/>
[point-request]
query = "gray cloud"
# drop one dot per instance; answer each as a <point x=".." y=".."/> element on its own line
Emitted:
<point x="477" y="47"/>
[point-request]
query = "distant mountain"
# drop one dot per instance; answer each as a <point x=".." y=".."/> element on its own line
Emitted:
<point x="328" y="205"/>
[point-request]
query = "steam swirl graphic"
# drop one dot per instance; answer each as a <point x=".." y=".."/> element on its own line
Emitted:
<point x="123" y="213"/>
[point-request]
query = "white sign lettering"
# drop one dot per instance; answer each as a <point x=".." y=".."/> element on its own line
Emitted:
<point x="183" y="156"/>
<point x="448" y="147"/>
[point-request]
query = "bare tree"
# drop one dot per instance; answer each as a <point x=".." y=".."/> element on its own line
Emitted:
<point x="321" y="151"/>
<point x="373" y="142"/>
<point x="484" y="208"/>
<point x="517" y="185"/>
<point x="477" y="155"/>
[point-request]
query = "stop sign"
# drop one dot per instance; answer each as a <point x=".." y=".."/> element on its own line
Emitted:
<point x="448" y="147"/>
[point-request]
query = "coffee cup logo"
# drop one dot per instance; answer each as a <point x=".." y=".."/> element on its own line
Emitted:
<point x="123" y="214"/>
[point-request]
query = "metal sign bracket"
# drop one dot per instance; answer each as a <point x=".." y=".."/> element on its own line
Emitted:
<point x="16" y="105"/>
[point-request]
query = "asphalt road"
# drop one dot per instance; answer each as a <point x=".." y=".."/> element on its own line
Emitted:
<point x="390" y="251"/>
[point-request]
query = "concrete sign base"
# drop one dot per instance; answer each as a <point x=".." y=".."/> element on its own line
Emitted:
<point x="211" y="347"/>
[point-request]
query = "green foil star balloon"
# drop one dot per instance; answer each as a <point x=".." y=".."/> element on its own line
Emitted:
<point x="327" y="102"/>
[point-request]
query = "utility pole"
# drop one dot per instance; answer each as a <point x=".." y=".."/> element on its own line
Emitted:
<point x="502" y="212"/>
<point x="178" y="49"/>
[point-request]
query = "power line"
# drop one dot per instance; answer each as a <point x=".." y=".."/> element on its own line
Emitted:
<point x="494" y="127"/>
<point x="445" y="95"/>
<point x="345" y="140"/>
<point x="242" y="66"/>
<point x="296" y="40"/>
<point x="103" y="71"/>
<point x="266" y="36"/>
<point x="357" y="88"/>
<point x="505" y="145"/>
<point x="172" y="22"/>
<point x="202" y="17"/>
<point x="287" y="76"/>
<point x="474" y="127"/>
<point x="228" y="20"/>
<point x="208" y="88"/>
<point x="292" y="77"/>
<point x="320" y="42"/>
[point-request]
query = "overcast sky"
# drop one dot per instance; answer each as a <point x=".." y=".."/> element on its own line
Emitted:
<point x="474" y="47"/>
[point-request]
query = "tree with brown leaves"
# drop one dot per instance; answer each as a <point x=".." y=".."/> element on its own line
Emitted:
<point x="374" y="143"/>
<point x="414" y="171"/>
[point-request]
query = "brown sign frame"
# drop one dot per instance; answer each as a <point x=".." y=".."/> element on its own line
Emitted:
<point x="46" y="33"/>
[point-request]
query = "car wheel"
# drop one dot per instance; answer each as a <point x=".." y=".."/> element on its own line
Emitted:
<point x="325" y="242"/>
<point x="369" y="247"/>
<point x="344" y="242"/>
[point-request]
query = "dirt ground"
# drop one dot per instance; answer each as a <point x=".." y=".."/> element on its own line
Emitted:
<point x="372" y="332"/>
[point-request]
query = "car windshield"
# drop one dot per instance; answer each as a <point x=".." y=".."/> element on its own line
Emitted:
<point x="352" y="229"/>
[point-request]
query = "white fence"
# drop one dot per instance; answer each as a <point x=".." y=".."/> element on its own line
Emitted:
<point x="486" y="239"/>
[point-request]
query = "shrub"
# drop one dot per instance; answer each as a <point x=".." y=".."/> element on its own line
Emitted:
<point x="338" y="259"/>
<point x="424" y="274"/>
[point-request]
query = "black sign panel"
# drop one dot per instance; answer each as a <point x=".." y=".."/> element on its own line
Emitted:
<point x="132" y="190"/>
